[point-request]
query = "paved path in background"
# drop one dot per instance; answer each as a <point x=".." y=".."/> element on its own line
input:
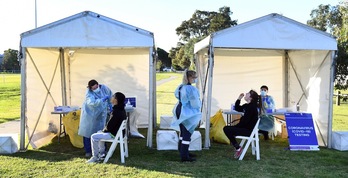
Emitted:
<point x="158" y="83"/>
<point x="10" y="127"/>
<point x="14" y="126"/>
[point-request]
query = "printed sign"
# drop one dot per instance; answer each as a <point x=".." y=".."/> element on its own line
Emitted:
<point x="301" y="131"/>
<point x="132" y="100"/>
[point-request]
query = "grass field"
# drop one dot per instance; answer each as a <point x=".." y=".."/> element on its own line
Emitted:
<point x="64" y="160"/>
<point x="9" y="97"/>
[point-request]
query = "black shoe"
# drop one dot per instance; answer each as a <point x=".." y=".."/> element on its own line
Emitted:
<point x="192" y="155"/>
<point x="188" y="159"/>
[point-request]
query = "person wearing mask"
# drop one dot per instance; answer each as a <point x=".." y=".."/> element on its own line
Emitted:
<point x="110" y="130"/>
<point x="187" y="113"/>
<point x="266" y="105"/>
<point x="93" y="112"/>
<point x="246" y="123"/>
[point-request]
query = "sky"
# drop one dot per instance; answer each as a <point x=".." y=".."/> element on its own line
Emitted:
<point x="161" y="17"/>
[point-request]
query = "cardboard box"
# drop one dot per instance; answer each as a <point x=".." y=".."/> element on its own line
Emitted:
<point x="284" y="133"/>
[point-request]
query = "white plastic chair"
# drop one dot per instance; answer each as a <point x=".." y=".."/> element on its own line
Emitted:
<point x="253" y="139"/>
<point x="121" y="139"/>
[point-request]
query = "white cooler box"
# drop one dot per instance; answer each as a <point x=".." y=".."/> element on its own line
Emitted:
<point x="196" y="141"/>
<point x="340" y="141"/>
<point x="8" y="143"/>
<point x="165" y="122"/>
<point x="167" y="140"/>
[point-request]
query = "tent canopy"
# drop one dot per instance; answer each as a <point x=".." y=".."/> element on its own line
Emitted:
<point x="294" y="60"/>
<point x="59" y="59"/>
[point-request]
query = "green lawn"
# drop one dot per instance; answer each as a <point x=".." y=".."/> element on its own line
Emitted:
<point x="64" y="160"/>
<point x="9" y="97"/>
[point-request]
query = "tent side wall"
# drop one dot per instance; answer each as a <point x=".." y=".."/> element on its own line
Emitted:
<point x="305" y="71"/>
<point x="43" y="92"/>
<point x="309" y="87"/>
<point x="124" y="70"/>
<point x="238" y="71"/>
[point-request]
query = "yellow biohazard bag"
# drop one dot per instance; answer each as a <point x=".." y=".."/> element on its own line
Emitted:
<point x="71" y="122"/>
<point x="217" y="123"/>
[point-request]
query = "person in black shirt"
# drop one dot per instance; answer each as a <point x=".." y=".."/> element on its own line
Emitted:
<point x="111" y="128"/>
<point x="247" y="121"/>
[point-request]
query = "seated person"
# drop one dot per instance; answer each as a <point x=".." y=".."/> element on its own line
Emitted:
<point x="247" y="121"/>
<point x="266" y="102"/>
<point x="110" y="130"/>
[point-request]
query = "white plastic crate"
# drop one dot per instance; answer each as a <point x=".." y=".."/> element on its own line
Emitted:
<point x="8" y="143"/>
<point x="196" y="141"/>
<point x="165" y="122"/>
<point x="167" y="140"/>
<point x="340" y="141"/>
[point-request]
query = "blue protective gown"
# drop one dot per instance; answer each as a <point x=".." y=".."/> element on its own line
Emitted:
<point x="190" y="109"/>
<point x="94" y="111"/>
<point x="267" y="121"/>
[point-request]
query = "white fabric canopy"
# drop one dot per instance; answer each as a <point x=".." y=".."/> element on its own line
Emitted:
<point x="292" y="59"/>
<point x="60" y="58"/>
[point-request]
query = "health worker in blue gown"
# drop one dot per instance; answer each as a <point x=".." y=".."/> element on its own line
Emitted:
<point x="94" y="112"/>
<point x="187" y="113"/>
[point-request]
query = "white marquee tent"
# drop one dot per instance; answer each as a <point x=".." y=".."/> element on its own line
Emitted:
<point x="294" y="60"/>
<point x="58" y="60"/>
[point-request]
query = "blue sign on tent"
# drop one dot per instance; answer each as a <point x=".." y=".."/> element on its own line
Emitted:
<point x="301" y="132"/>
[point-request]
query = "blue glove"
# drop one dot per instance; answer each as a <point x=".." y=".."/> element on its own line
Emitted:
<point x="105" y="98"/>
<point x="110" y="108"/>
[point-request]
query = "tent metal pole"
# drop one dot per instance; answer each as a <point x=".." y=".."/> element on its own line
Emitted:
<point x="62" y="75"/>
<point x="332" y="80"/>
<point x="286" y="78"/>
<point x="210" y="83"/>
<point x="151" y="98"/>
<point x="22" y="57"/>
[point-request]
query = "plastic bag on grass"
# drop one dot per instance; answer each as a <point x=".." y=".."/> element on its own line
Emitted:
<point x="217" y="123"/>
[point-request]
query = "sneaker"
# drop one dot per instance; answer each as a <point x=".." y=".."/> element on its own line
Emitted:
<point x="93" y="159"/>
<point x="101" y="157"/>
<point x="238" y="152"/>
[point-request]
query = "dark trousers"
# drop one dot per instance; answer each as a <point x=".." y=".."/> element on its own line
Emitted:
<point x="231" y="132"/>
<point x="185" y="142"/>
<point x="87" y="145"/>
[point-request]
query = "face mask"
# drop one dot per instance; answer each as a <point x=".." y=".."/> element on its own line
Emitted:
<point x="194" y="80"/>
<point x="96" y="90"/>
<point x="263" y="93"/>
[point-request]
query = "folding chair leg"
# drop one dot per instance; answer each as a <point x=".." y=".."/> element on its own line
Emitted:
<point x="122" y="151"/>
<point x="110" y="152"/>
<point x="126" y="147"/>
<point x="257" y="148"/>
<point x="244" y="150"/>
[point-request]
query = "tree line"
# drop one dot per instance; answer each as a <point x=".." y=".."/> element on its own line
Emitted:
<point x="328" y="18"/>
<point x="332" y="19"/>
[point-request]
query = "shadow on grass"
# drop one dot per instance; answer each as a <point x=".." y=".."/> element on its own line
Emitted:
<point x="276" y="159"/>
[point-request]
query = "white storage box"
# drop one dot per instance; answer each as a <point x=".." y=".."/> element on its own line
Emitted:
<point x="165" y="122"/>
<point x="8" y="143"/>
<point x="340" y="141"/>
<point x="167" y="140"/>
<point x="196" y="141"/>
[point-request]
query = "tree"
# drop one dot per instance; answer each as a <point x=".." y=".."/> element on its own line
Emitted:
<point x="199" y="26"/>
<point x="334" y="20"/>
<point x="10" y="61"/>
<point x="163" y="58"/>
<point x="203" y="23"/>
